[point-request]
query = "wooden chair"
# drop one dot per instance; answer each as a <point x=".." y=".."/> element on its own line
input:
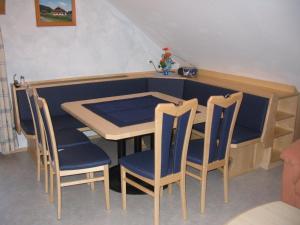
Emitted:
<point x="85" y="158"/>
<point x="212" y="152"/>
<point x="166" y="164"/>
<point x="64" y="137"/>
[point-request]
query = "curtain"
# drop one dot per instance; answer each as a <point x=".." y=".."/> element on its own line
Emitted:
<point x="8" y="137"/>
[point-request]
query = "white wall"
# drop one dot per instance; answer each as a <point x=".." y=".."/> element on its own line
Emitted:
<point x="257" y="38"/>
<point x="103" y="41"/>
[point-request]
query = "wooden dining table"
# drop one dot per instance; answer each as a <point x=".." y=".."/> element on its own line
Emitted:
<point x="121" y="117"/>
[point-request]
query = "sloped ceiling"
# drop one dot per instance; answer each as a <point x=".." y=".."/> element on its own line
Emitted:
<point x="257" y="38"/>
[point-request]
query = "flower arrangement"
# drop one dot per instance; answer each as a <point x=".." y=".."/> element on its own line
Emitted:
<point x="166" y="61"/>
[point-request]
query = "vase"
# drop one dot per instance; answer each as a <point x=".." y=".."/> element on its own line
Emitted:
<point x="166" y="71"/>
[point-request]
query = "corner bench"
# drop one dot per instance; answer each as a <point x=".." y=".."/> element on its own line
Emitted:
<point x="247" y="144"/>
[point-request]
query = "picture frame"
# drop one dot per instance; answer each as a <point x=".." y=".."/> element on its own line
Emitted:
<point x="55" y="12"/>
<point x="2" y="7"/>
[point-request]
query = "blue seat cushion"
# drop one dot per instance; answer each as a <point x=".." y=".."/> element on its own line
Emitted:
<point x="195" y="151"/>
<point x="141" y="163"/>
<point x="69" y="137"/>
<point x="65" y="121"/>
<point x="27" y="126"/>
<point x="82" y="156"/>
<point x="240" y="133"/>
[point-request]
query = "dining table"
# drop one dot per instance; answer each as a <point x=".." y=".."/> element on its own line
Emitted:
<point x="122" y="117"/>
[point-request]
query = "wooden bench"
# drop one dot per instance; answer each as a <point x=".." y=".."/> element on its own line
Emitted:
<point x="254" y="132"/>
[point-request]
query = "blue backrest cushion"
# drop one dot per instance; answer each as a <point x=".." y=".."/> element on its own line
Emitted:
<point x="253" y="112"/>
<point x="23" y="105"/>
<point x="171" y="154"/>
<point x="57" y="95"/>
<point x="173" y="87"/>
<point x="202" y="91"/>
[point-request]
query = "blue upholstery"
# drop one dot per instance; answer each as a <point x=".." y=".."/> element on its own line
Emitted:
<point x="240" y="133"/>
<point x="57" y="95"/>
<point x="218" y="136"/>
<point x="82" y="156"/>
<point x="173" y="87"/>
<point x="27" y="126"/>
<point x="69" y="137"/>
<point x="202" y="91"/>
<point x="23" y="105"/>
<point x="195" y="151"/>
<point x="142" y="163"/>
<point x="253" y="112"/>
<point x="249" y="125"/>
<point x="127" y="111"/>
<point x="66" y="121"/>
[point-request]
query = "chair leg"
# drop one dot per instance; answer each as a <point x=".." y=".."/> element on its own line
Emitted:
<point x="92" y="183"/>
<point x="123" y="187"/>
<point x="203" y="191"/>
<point x="225" y="174"/>
<point x="156" y="204"/>
<point x="51" y="185"/>
<point x="45" y="159"/>
<point x="106" y="187"/>
<point x="38" y="163"/>
<point x="183" y="197"/>
<point x="58" y="196"/>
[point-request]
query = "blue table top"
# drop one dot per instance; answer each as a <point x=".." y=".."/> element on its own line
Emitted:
<point x="126" y="112"/>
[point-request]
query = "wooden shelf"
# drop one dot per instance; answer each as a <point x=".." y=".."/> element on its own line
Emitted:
<point x="279" y="131"/>
<point x="283" y="115"/>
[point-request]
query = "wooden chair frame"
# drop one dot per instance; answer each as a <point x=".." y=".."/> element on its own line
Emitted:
<point x="55" y="169"/>
<point x="159" y="181"/>
<point x="30" y="92"/>
<point x="219" y="164"/>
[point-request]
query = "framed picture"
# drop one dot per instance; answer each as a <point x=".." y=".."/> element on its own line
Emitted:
<point x="2" y="6"/>
<point x="55" y="12"/>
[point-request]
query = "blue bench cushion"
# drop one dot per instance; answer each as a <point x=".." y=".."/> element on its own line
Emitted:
<point x="27" y="126"/>
<point x="59" y="122"/>
<point x="253" y="112"/>
<point x="195" y="151"/>
<point x="57" y="95"/>
<point x="69" y="137"/>
<point x="173" y="87"/>
<point x="141" y="163"/>
<point x="202" y="92"/>
<point x="240" y="134"/>
<point x="127" y="112"/>
<point x="65" y="121"/>
<point x="82" y="156"/>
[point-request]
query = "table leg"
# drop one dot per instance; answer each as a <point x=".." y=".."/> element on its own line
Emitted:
<point x="137" y="144"/>
<point x="121" y="148"/>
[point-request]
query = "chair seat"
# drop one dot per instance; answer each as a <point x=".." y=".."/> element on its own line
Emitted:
<point x="141" y="163"/>
<point x="82" y="156"/>
<point x="70" y="137"/>
<point x="195" y="151"/>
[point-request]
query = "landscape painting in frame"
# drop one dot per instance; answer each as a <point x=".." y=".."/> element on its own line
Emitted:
<point x="55" y="12"/>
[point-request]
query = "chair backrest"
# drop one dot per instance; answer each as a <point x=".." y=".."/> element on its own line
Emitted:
<point x="221" y="116"/>
<point x="170" y="156"/>
<point x="47" y="134"/>
<point x="31" y="95"/>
